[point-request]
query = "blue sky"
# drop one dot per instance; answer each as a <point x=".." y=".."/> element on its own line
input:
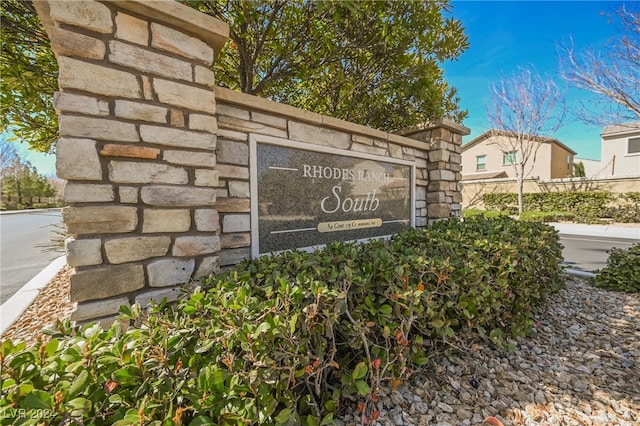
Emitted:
<point x="505" y="35"/>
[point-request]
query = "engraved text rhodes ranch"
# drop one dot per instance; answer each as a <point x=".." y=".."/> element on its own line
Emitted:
<point x="309" y="198"/>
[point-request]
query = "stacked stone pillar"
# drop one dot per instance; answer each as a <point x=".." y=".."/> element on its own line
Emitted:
<point x="441" y="178"/>
<point x="137" y="147"/>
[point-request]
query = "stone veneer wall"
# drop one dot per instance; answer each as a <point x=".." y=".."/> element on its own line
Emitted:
<point x="156" y="157"/>
<point x="435" y="149"/>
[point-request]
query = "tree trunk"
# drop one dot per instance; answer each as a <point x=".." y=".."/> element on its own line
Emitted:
<point x="520" y="195"/>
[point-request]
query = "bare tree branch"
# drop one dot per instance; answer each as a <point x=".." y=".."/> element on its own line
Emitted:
<point x="613" y="74"/>
<point x="526" y="110"/>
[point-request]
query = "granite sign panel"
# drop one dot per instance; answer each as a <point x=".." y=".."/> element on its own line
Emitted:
<point x="309" y="198"/>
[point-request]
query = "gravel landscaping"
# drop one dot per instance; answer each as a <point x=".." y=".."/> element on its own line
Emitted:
<point x="581" y="366"/>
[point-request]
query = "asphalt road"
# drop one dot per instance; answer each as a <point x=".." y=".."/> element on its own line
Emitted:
<point x="21" y="258"/>
<point x="589" y="253"/>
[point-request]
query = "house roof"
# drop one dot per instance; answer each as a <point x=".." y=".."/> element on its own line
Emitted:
<point x="621" y="129"/>
<point x="496" y="132"/>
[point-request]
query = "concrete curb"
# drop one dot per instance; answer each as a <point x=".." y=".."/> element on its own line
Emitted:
<point x="585" y="230"/>
<point x="7" y="212"/>
<point x="579" y="273"/>
<point x="13" y="308"/>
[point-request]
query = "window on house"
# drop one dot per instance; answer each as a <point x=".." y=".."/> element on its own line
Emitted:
<point x="633" y="146"/>
<point x="481" y="162"/>
<point x="510" y="157"/>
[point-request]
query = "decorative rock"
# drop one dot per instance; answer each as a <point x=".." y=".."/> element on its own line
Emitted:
<point x="98" y="128"/>
<point x="81" y="193"/>
<point x="239" y="189"/>
<point x="177" y="137"/>
<point x="207" y="177"/>
<point x="233" y="152"/>
<point x="106" y="282"/>
<point x="83" y="252"/>
<point x="148" y="61"/>
<point x="87" y="14"/>
<point x="85" y="76"/>
<point x="173" y="41"/>
<point x="99" y="308"/>
<point x="195" y="246"/>
<point x="208" y="266"/>
<point x="133" y="172"/>
<point x="178" y="196"/>
<point x="167" y="272"/>
<point x="100" y="220"/>
<point x="131" y="29"/>
<point x="165" y="220"/>
<point x="156" y="296"/>
<point x="190" y="158"/>
<point x="138" y="248"/>
<point x="554" y="377"/>
<point x="236" y="223"/>
<point x="207" y="220"/>
<point x="77" y="159"/>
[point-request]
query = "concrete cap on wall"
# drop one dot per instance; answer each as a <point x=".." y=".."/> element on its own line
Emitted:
<point x="207" y="28"/>
<point x="445" y="123"/>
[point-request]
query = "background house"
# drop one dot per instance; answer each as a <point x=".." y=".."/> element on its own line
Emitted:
<point x="620" y="150"/>
<point x="592" y="168"/>
<point x="485" y="157"/>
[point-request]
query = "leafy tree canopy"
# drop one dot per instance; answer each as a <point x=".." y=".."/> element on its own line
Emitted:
<point x="29" y="77"/>
<point x="375" y="63"/>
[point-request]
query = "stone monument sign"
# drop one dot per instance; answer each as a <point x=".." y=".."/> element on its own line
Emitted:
<point x="310" y="197"/>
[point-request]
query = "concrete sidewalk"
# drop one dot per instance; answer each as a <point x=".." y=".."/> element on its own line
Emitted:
<point x="598" y="230"/>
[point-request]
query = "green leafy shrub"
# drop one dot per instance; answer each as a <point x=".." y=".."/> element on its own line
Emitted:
<point x="627" y="209"/>
<point x="622" y="272"/>
<point x="291" y="338"/>
<point x="534" y="216"/>
<point x="502" y="201"/>
<point x="587" y="207"/>
<point x="489" y="214"/>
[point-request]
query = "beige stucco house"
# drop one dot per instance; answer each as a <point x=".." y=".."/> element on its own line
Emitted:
<point x="486" y="157"/>
<point x="620" y="150"/>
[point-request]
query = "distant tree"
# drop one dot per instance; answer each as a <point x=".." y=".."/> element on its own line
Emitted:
<point x="7" y="154"/>
<point x="613" y="75"/>
<point x="21" y="183"/>
<point x="578" y="169"/>
<point x="29" y="77"/>
<point x="526" y="109"/>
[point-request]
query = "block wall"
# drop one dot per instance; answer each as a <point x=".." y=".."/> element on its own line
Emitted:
<point x="156" y="157"/>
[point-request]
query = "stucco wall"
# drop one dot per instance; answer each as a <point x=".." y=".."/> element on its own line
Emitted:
<point x="560" y="168"/>
<point x="615" y="145"/>
<point x="472" y="191"/>
<point x="494" y="147"/>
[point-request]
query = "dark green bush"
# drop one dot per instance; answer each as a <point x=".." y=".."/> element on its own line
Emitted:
<point x="292" y="337"/>
<point x="627" y="209"/>
<point x="622" y="272"/>
<point x="587" y="207"/>
<point x="534" y="216"/>
<point x="489" y="214"/>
